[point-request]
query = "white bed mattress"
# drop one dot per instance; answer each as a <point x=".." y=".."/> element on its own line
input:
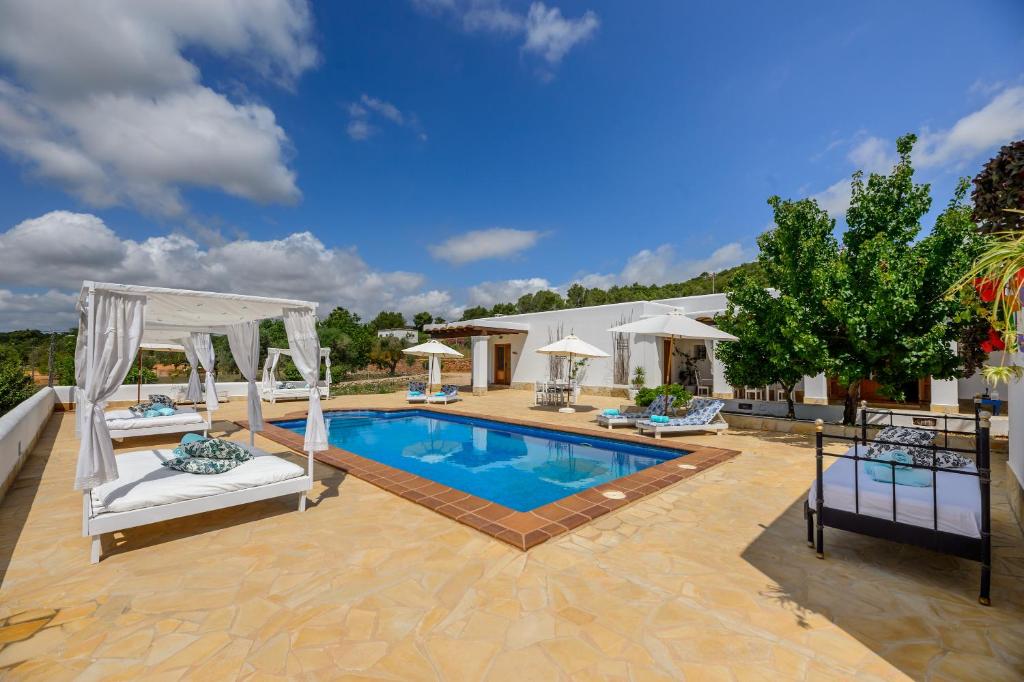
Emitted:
<point x="124" y="420"/>
<point x="145" y="483"/>
<point x="959" y="498"/>
<point x="288" y="393"/>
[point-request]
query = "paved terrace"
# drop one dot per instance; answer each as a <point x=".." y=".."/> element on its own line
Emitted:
<point x="707" y="579"/>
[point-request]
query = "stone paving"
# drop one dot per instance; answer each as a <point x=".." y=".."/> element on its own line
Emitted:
<point x="708" y="579"/>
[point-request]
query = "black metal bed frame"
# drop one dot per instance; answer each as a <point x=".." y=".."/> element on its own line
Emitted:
<point x="976" y="549"/>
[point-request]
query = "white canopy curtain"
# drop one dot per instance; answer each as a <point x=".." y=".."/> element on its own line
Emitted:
<point x="118" y="317"/>
<point x="194" y="392"/>
<point x="113" y="333"/>
<point x="83" y="328"/>
<point x="274" y="356"/>
<point x="203" y="346"/>
<point x="244" y="340"/>
<point x="300" y="324"/>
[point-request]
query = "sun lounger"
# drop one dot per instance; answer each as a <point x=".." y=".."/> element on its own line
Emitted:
<point x="702" y="415"/>
<point x="417" y="392"/>
<point x="450" y="394"/>
<point x="631" y="418"/>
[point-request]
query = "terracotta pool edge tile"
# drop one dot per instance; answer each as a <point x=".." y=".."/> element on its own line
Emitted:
<point x="522" y="530"/>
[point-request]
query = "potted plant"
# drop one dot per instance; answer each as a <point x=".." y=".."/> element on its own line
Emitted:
<point x="639" y="379"/>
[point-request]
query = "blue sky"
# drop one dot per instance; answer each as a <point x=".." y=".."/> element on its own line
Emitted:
<point x="440" y="153"/>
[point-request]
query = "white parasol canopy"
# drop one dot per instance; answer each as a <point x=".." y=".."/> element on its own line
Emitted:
<point x="674" y="324"/>
<point x="573" y="345"/>
<point x="432" y="349"/>
<point x="570" y="346"/>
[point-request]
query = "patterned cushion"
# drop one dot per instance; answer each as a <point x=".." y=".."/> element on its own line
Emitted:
<point x="161" y="400"/>
<point x="659" y="405"/>
<point x="944" y="459"/>
<point x="419" y="386"/>
<point x="449" y="389"/>
<point x="898" y="438"/>
<point x="213" y="448"/>
<point x="201" y="465"/>
<point x="702" y="411"/>
<point x="140" y="409"/>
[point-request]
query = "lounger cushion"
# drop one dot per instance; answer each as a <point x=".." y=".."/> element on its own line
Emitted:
<point x="145" y="482"/>
<point x="159" y="399"/>
<point x="124" y="420"/>
<point x="214" y="448"/>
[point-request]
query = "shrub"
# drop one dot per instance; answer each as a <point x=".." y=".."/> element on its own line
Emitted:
<point x="646" y="396"/>
<point x="15" y="385"/>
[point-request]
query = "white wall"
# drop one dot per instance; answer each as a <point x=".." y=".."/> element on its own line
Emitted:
<point x="590" y="324"/>
<point x="19" y="429"/>
<point x="130" y="391"/>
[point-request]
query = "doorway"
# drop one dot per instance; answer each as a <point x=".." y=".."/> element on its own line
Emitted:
<point x="503" y="364"/>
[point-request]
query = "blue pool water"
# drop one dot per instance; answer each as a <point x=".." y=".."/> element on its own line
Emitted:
<point x="519" y="467"/>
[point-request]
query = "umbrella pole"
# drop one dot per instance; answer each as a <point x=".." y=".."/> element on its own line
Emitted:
<point x="668" y="368"/>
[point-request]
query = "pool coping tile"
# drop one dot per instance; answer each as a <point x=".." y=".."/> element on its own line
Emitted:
<point x="522" y="530"/>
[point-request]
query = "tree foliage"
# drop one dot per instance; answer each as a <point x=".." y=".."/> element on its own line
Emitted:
<point x="420" y="320"/>
<point x="387" y="319"/>
<point x="999" y="186"/>
<point x="386" y="352"/>
<point x="15" y="385"/>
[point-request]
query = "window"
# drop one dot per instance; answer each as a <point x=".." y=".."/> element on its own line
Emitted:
<point x="701" y="352"/>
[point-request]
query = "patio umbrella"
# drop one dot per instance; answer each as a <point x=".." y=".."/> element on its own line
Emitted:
<point x="568" y="347"/>
<point x="673" y="325"/>
<point x="432" y="350"/>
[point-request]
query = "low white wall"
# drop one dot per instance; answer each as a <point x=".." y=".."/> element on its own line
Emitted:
<point x="130" y="391"/>
<point x="19" y="430"/>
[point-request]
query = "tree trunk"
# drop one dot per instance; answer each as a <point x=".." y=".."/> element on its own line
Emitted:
<point x="790" y="407"/>
<point x="850" y="405"/>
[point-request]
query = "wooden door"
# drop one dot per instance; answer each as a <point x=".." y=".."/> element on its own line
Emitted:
<point x="503" y="363"/>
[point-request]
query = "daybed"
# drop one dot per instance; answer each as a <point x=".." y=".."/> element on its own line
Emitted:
<point x="449" y="393"/>
<point x="948" y="514"/>
<point x="134" y="489"/>
<point x="273" y="390"/>
<point x="147" y="492"/>
<point x="701" y="415"/>
<point x="123" y="424"/>
<point x="657" y="406"/>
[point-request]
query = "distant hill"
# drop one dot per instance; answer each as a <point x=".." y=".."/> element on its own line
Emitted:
<point x="579" y="296"/>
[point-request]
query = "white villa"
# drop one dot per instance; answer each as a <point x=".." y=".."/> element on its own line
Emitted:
<point x="503" y="353"/>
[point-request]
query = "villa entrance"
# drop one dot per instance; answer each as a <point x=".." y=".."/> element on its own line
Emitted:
<point x="503" y="364"/>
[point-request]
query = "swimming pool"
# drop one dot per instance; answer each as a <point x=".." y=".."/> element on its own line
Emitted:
<point x="519" y="467"/>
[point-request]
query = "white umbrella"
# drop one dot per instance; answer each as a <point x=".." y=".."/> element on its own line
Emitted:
<point x="568" y="347"/>
<point x="673" y="325"/>
<point x="432" y="349"/>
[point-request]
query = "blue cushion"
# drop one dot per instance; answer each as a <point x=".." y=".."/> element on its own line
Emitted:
<point x="440" y="394"/>
<point x="415" y="392"/>
<point x="611" y="412"/>
<point x="909" y="476"/>
<point x="659" y="419"/>
<point x="190" y="437"/>
<point x="151" y="413"/>
<point x="166" y="411"/>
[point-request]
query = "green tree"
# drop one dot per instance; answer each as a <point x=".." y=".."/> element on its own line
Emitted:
<point x="503" y="309"/>
<point x="386" y="352"/>
<point x="576" y="295"/>
<point x="15" y="385"/>
<point x="475" y="312"/>
<point x="387" y="319"/>
<point x="420" y="320"/>
<point x="349" y="339"/>
<point x="887" y="319"/>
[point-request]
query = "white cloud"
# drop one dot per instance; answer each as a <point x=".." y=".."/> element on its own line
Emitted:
<point x="505" y="291"/>
<point x="58" y="250"/>
<point x="495" y="242"/>
<point x="998" y="122"/>
<point x="995" y="124"/>
<point x="49" y="311"/>
<point x="662" y="265"/>
<point x="545" y="32"/>
<point x="551" y="35"/>
<point x="362" y="113"/>
<point x="119" y="115"/>
<point x="835" y="199"/>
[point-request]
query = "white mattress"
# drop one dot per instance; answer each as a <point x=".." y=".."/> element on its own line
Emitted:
<point x="145" y="483"/>
<point x="959" y="498"/>
<point x="289" y="392"/>
<point x="124" y="420"/>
